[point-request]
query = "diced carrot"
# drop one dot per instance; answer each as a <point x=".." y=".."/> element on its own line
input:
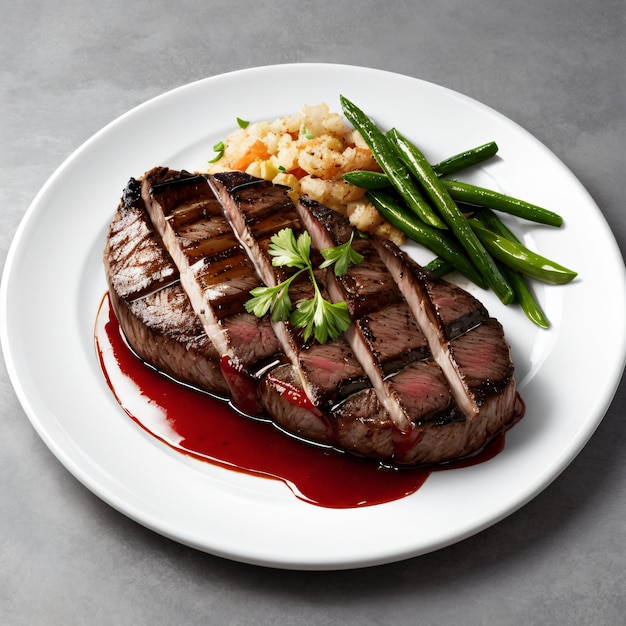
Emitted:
<point x="257" y="151"/>
<point x="298" y="172"/>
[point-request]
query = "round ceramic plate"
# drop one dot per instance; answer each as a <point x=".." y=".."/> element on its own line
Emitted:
<point x="53" y="284"/>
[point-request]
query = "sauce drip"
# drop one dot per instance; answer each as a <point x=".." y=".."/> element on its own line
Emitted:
<point x="206" y="428"/>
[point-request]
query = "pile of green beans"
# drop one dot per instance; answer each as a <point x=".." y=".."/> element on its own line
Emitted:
<point x="415" y="197"/>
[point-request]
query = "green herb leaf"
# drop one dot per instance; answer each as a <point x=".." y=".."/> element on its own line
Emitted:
<point x="317" y="317"/>
<point x="304" y="316"/>
<point x="305" y="132"/>
<point x="242" y="123"/>
<point x="322" y="319"/>
<point x="341" y="256"/>
<point x="282" y="305"/>
<point x="264" y="299"/>
<point x="219" y="147"/>
<point x="338" y="318"/>
<point x="288" y="252"/>
<point x="272" y="299"/>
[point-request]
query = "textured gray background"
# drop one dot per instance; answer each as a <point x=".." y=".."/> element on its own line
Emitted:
<point x="556" y="67"/>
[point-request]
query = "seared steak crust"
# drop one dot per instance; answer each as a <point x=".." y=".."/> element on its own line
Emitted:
<point x="403" y="386"/>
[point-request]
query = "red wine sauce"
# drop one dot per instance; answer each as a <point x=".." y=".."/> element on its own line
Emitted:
<point x="206" y="428"/>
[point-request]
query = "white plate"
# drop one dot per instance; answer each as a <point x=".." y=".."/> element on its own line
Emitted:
<point x="53" y="283"/>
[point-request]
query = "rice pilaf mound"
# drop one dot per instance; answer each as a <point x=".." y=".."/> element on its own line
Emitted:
<point x="309" y="152"/>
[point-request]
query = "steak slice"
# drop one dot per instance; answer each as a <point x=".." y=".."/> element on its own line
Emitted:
<point x="475" y="356"/>
<point x="257" y="210"/>
<point x="216" y="274"/>
<point x="417" y="296"/>
<point x="457" y="310"/>
<point x="152" y="308"/>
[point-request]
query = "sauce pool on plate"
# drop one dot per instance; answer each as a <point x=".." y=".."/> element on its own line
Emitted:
<point x="207" y="428"/>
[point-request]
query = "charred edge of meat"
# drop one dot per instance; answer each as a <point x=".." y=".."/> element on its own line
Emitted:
<point x="131" y="231"/>
<point x="458" y="311"/>
<point x="131" y="196"/>
<point x="178" y="179"/>
<point x="340" y="229"/>
<point x="236" y="181"/>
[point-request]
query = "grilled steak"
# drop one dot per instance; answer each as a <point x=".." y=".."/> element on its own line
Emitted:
<point x="422" y="376"/>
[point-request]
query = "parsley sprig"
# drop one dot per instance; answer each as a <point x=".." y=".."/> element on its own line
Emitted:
<point x="317" y="316"/>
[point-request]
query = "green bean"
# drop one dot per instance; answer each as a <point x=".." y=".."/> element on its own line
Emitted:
<point x="439" y="267"/>
<point x="491" y="221"/>
<point x="389" y="162"/>
<point x="466" y="159"/>
<point x="525" y="297"/>
<point x="367" y="179"/>
<point x="523" y="293"/>
<point x="454" y="218"/>
<point x="468" y="193"/>
<point x="432" y="238"/>
<point x="521" y="259"/>
<point x="464" y="192"/>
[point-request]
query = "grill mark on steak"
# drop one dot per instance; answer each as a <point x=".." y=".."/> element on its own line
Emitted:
<point x="256" y="210"/>
<point x="215" y="273"/>
<point x="190" y="221"/>
<point x="458" y="310"/>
